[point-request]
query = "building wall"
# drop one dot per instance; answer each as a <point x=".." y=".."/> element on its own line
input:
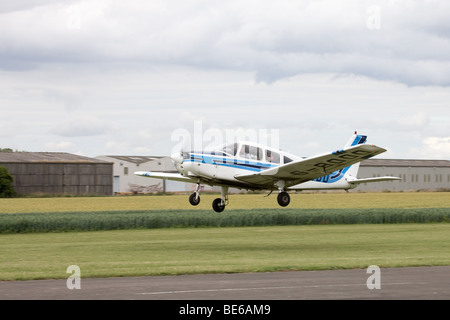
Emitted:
<point x="413" y="178"/>
<point x="61" y="178"/>
<point x="126" y="181"/>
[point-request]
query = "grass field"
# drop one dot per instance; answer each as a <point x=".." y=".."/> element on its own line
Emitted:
<point x="220" y="250"/>
<point x="237" y="201"/>
<point x="211" y="250"/>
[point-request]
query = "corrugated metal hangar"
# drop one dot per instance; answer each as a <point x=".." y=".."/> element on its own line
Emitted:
<point x="57" y="173"/>
<point x="416" y="175"/>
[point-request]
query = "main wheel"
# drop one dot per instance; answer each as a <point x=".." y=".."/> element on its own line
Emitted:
<point x="283" y="199"/>
<point x="218" y="205"/>
<point x="194" y="199"/>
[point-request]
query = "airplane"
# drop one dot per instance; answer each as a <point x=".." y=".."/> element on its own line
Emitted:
<point x="251" y="166"/>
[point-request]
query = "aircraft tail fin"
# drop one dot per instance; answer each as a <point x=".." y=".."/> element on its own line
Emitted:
<point x="352" y="171"/>
<point x="356" y="139"/>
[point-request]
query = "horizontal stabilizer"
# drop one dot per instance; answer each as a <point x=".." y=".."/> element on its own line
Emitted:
<point x="163" y="175"/>
<point x="376" y="179"/>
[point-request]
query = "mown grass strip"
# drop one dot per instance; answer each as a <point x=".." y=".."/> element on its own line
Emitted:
<point x="171" y="251"/>
<point x="152" y="219"/>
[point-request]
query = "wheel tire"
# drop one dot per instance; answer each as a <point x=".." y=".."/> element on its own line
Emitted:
<point x="283" y="199"/>
<point x="218" y="205"/>
<point x="194" y="201"/>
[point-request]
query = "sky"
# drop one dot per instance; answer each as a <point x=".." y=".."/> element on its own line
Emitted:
<point x="108" y="77"/>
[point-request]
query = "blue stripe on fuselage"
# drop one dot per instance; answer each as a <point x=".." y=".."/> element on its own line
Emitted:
<point x="255" y="166"/>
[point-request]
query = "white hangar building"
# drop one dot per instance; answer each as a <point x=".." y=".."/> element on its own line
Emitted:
<point x="426" y="175"/>
<point x="125" y="181"/>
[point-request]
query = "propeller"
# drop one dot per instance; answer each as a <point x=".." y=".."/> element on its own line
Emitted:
<point x="180" y="154"/>
<point x="178" y="157"/>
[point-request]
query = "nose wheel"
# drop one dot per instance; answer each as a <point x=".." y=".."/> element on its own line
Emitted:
<point x="194" y="198"/>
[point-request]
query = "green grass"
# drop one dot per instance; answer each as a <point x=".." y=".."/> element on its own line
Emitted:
<point x="117" y="220"/>
<point x="40" y="236"/>
<point x="222" y="250"/>
<point x="237" y="201"/>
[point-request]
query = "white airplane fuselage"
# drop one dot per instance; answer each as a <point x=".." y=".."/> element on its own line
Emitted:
<point x="222" y="169"/>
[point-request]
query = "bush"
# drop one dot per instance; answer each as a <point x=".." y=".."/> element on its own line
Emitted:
<point x="6" y="187"/>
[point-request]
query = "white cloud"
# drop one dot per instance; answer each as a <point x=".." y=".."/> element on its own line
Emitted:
<point x="274" y="40"/>
<point x="434" y="148"/>
<point x="82" y="126"/>
<point x="58" y="146"/>
<point x="7" y="129"/>
<point x="134" y="72"/>
<point x="116" y="147"/>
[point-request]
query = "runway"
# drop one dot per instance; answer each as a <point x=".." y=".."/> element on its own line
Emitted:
<point x="422" y="283"/>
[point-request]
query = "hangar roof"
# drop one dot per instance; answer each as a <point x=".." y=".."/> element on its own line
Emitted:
<point x="404" y="163"/>
<point x="45" y="157"/>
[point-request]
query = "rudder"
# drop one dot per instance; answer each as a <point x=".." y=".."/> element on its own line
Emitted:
<point x="354" y="140"/>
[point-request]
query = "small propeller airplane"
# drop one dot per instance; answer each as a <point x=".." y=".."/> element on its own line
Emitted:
<point x="251" y="166"/>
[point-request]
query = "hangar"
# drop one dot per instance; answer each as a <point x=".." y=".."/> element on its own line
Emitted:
<point x="416" y="175"/>
<point x="125" y="181"/>
<point x="57" y="173"/>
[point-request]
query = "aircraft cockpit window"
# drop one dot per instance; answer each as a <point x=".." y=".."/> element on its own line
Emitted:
<point x="272" y="157"/>
<point x="251" y="152"/>
<point x="230" y="149"/>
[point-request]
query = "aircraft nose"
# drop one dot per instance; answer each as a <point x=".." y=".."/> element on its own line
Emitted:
<point x="177" y="157"/>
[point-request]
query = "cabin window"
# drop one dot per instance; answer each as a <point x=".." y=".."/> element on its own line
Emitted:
<point x="272" y="157"/>
<point x="287" y="159"/>
<point x="231" y="149"/>
<point x="251" y="152"/>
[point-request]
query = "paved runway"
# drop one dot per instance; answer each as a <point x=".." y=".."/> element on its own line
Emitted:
<point x="395" y="283"/>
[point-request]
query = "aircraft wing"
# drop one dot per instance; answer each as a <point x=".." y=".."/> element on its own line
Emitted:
<point x="164" y="175"/>
<point x="311" y="168"/>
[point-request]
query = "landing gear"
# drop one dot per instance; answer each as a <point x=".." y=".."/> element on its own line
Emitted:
<point x="194" y="198"/>
<point x="220" y="203"/>
<point x="283" y="198"/>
